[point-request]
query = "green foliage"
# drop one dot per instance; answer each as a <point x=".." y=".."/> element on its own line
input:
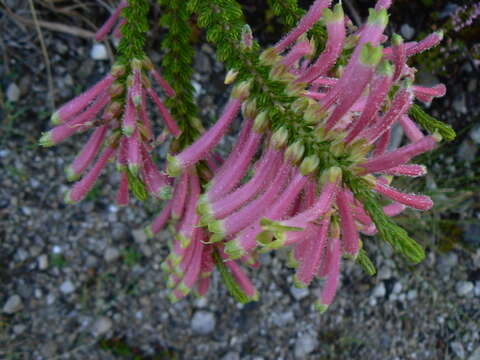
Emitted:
<point x="367" y="265"/>
<point x="133" y="32"/>
<point x="431" y="124"/>
<point x="388" y="230"/>
<point x="177" y="66"/>
<point x="230" y="283"/>
<point x="136" y="185"/>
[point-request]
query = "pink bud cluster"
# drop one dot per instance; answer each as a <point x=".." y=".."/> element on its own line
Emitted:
<point x="289" y="195"/>
<point x="115" y="110"/>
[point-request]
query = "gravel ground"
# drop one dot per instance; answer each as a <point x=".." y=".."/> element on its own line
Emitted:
<point x="83" y="282"/>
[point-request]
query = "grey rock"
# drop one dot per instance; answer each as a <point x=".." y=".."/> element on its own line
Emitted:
<point x="203" y="322"/>
<point x="304" y="345"/>
<point x="379" y="290"/>
<point x="460" y="105"/>
<point x="99" y="52"/>
<point x="283" y="318"/>
<point x="101" y="326"/>
<point x="13" y="92"/>
<point x="111" y="254"/>
<point x="447" y="262"/>
<point x="202" y="62"/>
<point x="476" y="291"/>
<point x="412" y="294"/>
<point x="13" y="304"/>
<point x="19" y="329"/>
<point x="384" y="273"/>
<point x="299" y="293"/>
<point x="458" y="349"/>
<point x="464" y="288"/>
<point x="67" y="287"/>
<point x="139" y="235"/>
<point x="407" y="31"/>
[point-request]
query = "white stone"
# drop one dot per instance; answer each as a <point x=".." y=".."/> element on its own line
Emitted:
<point x="304" y="345"/>
<point x="384" y="273"/>
<point x="101" y="326"/>
<point x="203" y="322"/>
<point x="19" y="329"/>
<point x="111" y="254"/>
<point x="407" y="31"/>
<point x="379" y="290"/>
<point x="43" y="262"/>
<point x="13" y="304"/>
<point x="13" y="92"/>
<point x="67" y="287"/>
<point x="464" y="288"/>
<point x="397" y="288"/>
<point x="99" y="52"/>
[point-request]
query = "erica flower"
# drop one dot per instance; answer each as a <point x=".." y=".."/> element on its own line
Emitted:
<point x="303" y="174"/>
<point x="115" y="111"/>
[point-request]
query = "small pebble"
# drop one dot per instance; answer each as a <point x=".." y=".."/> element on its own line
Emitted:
<point x="397" y="288"/>
<point x="304" y="345"/>
<point x="13" y="304"/>
<point x="139" y="235"/>
<point x="203" y="322"/>
<point x="101" y="326"/>
<point x="13" y="92"/>
<point x="463" y="288"/>
<point x="111" y="254"/>
<point x="43" y="262"/>
<point x="299" y="293"/>
<point x="67" y="287"/>
<point x="19" y="329"/>
<point x="407" y="31"/>
<point x="379" y="290"/>
<point x="98" y="52"/>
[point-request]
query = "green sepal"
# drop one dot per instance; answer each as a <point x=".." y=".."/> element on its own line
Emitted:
<point x="232" y="287"/>
<point x="431" y="124"/>
<point x="367" y="265"/>
<point x="274" y="226"/>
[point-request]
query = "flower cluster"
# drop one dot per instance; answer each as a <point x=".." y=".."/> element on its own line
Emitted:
<point x="303" y="176"/>
<point x="115" y="109"/>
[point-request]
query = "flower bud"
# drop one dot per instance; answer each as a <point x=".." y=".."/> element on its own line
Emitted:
<point x="309" y="165"/>
<point x="270" y="57"/>
<point x="261" y="121"/>
<point x="117" y="70"/>
<point x="231" y="76"/>
<point x="242" y="90"/>
<point x="280" y="137"/>
<point x="249" y="109"/>
<point x="294" y="152"/>
<point x="247" y="37"/>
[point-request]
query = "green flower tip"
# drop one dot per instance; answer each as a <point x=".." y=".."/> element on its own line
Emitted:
<point x="174" y="168"/>
<point x="370" y="55"/>
<point x="134" y="169"/>
<point x="216" y="227"/>
<point x="55" y="118"/>
<point x="233" y="250"/>
<point x="397" y="40"/>
<point x="298" y="283"/>
<point x="291" y="261"/>
<point x="148" y="232"/>
<point x="379" y="17"/>
<point x="67" y="198"/>
<point x="321" y="308"/>
<point x="127" y="131"/>
<point x="336" y="15"/>
<point x="385" y="68"/>
<point x="46" y="139"/>
<point x="165" y="192"/>
<point x="71" y="174"/>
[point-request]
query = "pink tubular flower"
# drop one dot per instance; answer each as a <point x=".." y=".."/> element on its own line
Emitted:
<point x="108" y="25"/>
